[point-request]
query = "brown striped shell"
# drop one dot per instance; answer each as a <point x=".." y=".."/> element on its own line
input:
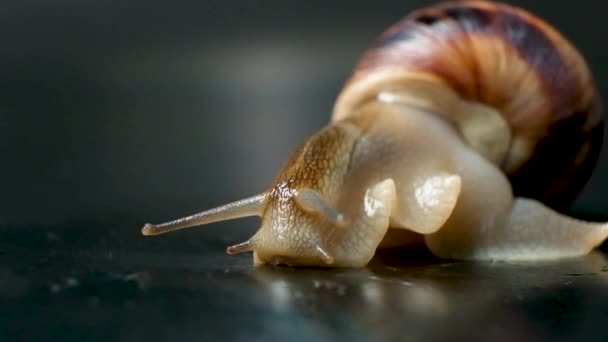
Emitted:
<point x="506" y="59"/>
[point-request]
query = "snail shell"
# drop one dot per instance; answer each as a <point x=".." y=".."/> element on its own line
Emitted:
<point x="455" y="128"/>
<point x="458" y="53"/>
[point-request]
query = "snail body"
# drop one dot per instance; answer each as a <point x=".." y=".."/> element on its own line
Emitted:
<point x="464" y="128"/>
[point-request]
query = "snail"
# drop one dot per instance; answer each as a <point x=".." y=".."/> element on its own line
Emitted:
<point x="466" y="128"/>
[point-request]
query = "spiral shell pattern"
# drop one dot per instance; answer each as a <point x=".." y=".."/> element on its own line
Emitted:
<point x="507" y="59"/>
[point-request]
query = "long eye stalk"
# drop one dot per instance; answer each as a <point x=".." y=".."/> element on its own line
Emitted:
<point x="251" y="206"/>
<point x="312" y="201"/>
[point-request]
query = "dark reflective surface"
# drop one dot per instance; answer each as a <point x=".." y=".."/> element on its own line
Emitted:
<point x="117" y="113"/>
<point x="71" y="288"/>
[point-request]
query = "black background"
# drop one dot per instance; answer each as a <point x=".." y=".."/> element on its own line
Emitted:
<point x="116" y="113"/>
<point x="146" y="111"/>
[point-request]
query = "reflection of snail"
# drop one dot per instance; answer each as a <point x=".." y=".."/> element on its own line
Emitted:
<point x="455" y="110"/>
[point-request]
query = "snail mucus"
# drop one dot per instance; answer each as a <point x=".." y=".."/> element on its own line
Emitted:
<point x="466" y="128"/>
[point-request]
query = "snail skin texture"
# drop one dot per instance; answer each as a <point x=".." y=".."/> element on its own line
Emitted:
<point x="465" y="128"/>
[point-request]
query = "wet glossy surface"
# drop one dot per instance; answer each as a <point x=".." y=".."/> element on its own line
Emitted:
<point x="63" y="286"/>
<point x="154" y="110"/>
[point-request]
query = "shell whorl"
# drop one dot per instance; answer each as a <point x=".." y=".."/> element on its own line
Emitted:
<point x="509" y="60"/>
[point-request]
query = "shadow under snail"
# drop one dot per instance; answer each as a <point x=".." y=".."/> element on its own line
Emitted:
<point x="466" y="128"/>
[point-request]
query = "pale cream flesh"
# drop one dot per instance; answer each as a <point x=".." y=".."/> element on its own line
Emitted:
<point x="400" y="167"/>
